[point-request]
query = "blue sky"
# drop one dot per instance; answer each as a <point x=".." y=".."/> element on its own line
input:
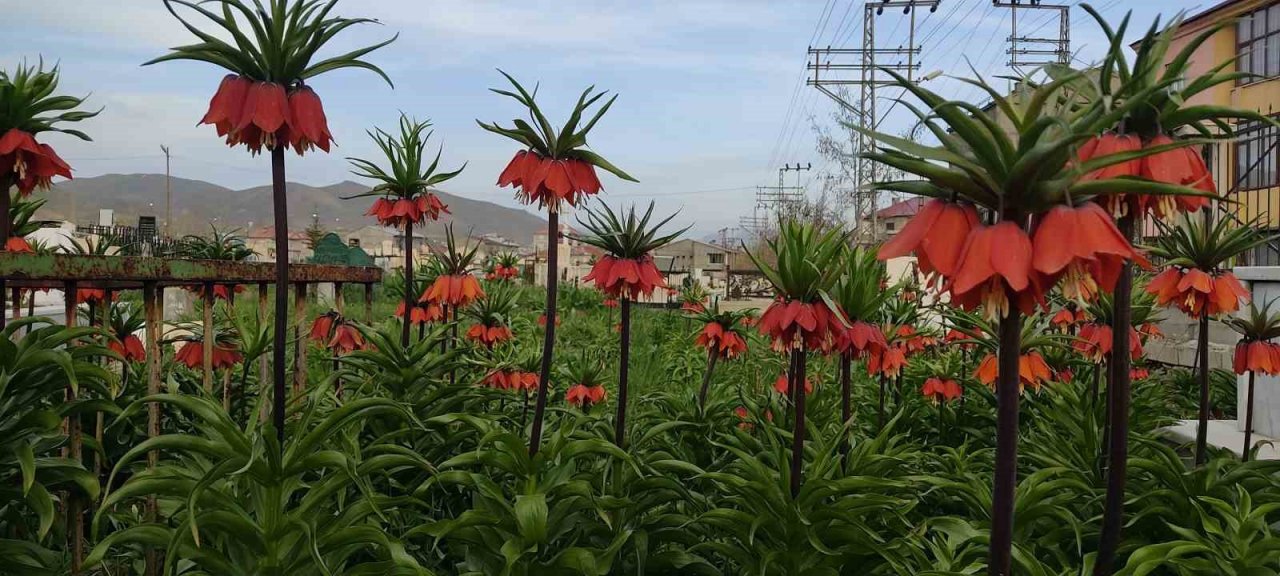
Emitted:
<point x="711" y="96"/>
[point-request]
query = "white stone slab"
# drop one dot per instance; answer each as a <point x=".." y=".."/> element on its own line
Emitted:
<point x="1224" y="434"/>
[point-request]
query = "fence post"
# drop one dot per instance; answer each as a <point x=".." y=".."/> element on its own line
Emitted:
<point x="152" y="305"/>
<point x="74" y="505"/>
<point x="368" y="303"/>
<point x="206" y="298"/>
<point x="300" y="330"/>
<point x="264" y="361"/>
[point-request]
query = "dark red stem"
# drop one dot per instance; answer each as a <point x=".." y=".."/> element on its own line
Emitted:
<point x="409" y="300"/>
<point x="1248" y="421"/>
<point x="1202" y="427"/>
<point x="620" y="424"/>
<point x="549" y="337"/>
<point x="797" y="434"/>
<point x="1006" y="473"/>
<point x="280" y="207"/>
<point x="1118" y="394"/>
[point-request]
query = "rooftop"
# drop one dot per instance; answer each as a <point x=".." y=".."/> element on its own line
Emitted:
<point x="902" y="208"/>
<point x="270" y="232"/>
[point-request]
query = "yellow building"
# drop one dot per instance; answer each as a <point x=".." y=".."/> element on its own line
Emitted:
<point x="1245" y="169"/>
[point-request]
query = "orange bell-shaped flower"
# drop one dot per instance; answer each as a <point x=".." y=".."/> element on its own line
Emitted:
<point x="996" y="263"/>
<point x="1081" y="246"/>
<point x="936" y="235"/>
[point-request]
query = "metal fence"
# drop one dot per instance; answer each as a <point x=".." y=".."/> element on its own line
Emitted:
<point x="1245" y="171"/>
<point x="132" y="241"/>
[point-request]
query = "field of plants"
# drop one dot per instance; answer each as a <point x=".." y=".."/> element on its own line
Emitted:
<point x="421" y="463"/>
<point x="991" y="411"/>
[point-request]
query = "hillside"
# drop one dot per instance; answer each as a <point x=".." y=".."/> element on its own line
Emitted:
<point x="196" y="203"/>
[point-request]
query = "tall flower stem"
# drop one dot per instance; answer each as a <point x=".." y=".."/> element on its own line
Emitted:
<point x="5" y="227"/>
<point x="549" y="337"/>
<point x="1248" y="421"/>
<point x="409" y="301"/>
<point x="453" y="372"/>
<point x="524" y="414"/>
<point x="1108" y="368"/>
<point x="1202" y="355"/>
<point x="706" y="378"/>
<point x="1118" y="393"/>
<point x="444" y="336"/>
<point x="846" y="407"/>
<point x="793" y="368"/>
<point x="280" y="207"/>
<point x="880" y="418"/>
<point x="1006" y="473"/>
<point x="797" y="434"/>
<point x="620" y="423"/>
<point x="1093" y="386"/>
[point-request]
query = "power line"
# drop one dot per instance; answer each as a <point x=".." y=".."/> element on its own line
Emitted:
<point x="839" y="67"/>
<point x="848" y="10"/>
<point x="106" y="158"/>
<point x="1025" y="49"/>
<point x="682" y="193"/>
<point x="820" y="25"/>
<point x="955" y="6"/>
<point x="981" y="69"/>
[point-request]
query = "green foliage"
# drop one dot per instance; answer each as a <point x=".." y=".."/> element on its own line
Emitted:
<point x="36" y="374"/>
<point x="236" y="505"/>
<point x="219" y="245"/>
<point x="28" y="102"/>
<point x="277" y="42"/>
<point x="497" y="307"/>
<point x="859" y="291"/>
<point x="418" y="474"/>
<point x="629" y="237"/>
<point x="405" y="154"/>
<point x="1256" y="324"/>
<point x="806" y="260"/>
<point x="1194" y="243"/>
<point x="567" y="142"/>
<point x="22" y="212"/>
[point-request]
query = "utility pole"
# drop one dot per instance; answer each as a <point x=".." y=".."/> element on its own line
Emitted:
<point x="168" y="194"/>
<point x="724" y="245"/>
<point x="866" y="61"/>
<point x="1036" y="51"/>
<point x="754" y="225"/>
<point x="777" y="200"/>
<point x="797" y="169"/>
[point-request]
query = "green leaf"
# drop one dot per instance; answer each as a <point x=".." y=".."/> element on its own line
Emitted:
<point x="531" y="517"/>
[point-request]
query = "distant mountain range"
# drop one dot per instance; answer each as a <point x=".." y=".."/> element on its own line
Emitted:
<point x="196" y="203"/>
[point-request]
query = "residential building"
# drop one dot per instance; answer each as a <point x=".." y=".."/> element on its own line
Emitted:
<point x="1244" y="169"/>
<point x="704" y="262"/>
<point x="891" y="219"/>
<point x="263" y="243"/>
<point x="537" y="257"/>
<point x="386" y="244"/>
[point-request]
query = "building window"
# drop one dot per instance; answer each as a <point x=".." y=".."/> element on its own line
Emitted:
<point x="890" y="226"/>
<point x="715" y="257"/>
<point x="1255" y="155"/>
<point x="1267" y="254"/>
<point x="1258" y="43"/>
<point x="353" y="242"/>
